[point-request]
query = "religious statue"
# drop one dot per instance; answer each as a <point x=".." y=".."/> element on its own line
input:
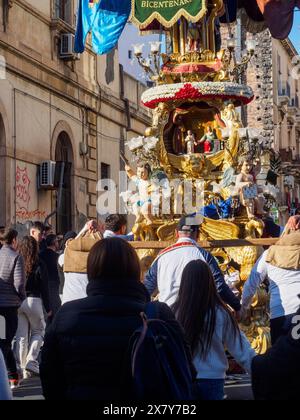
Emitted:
<point x="231" y="117"/>
<point x="141" y="200"/>
<point x="190" y="142"/>
<point x="248" y="190"/>
<point x="209" y="140"/>
<point x="178" y="134"/>
<point x="193" y="37"/>
<point x="160" y="117"/>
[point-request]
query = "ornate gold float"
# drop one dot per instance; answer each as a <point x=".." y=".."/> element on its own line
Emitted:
<point x="196" y="136"/>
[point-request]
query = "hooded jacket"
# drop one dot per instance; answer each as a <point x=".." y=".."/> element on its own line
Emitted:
<point x="275" y="375"/>
<point x="85" y="349"/>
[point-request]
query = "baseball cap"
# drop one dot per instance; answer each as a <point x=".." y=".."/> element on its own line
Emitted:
<point x="190" y="223"/>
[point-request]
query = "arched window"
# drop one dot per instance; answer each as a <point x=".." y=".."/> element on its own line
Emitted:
<point x="64" y="163"/>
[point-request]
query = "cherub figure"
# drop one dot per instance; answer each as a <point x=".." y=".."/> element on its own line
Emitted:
<point x="190" y="142"/>
<point x="142" y="199"/>
<point x="248" y="190"/>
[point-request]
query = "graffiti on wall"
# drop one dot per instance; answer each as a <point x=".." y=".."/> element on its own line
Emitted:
<point x="22" y="187"/>
<point x="26" y="201"/>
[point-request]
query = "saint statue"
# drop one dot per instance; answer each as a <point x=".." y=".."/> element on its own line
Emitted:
<point x="209" y="140"/>
<point x="193" y="37"/>
<point x="190" y="143"/>
<point x="179" y="131"/>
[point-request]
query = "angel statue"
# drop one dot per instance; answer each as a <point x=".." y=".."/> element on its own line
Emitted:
<point x="159" y="118"/>
<point x="231" y="117"/>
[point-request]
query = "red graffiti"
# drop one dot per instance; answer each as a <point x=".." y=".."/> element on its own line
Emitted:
<point x="24" y="214"/>
<point x="22" y="187"/>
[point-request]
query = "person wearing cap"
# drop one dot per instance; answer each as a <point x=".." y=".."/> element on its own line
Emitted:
<point x="166" y="271"/>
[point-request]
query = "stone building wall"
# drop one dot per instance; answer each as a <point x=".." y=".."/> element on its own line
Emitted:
<point x="76" y="105"/>
<point x="260" y="78"/>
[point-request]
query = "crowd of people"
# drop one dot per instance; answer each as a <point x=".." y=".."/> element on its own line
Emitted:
<point x="76" y="335"/>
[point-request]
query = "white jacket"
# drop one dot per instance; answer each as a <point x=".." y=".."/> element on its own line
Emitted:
<point x="284" y="287"/>
<point x="215" y="365"/>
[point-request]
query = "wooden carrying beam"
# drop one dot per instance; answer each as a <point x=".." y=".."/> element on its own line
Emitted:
<point x="228" y="243"/>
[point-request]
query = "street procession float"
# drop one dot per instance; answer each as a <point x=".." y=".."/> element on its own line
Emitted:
<point x="197" y="136"/>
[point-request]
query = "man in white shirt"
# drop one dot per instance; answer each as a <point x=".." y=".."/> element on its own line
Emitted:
<point x="166" y="271"/>
<point x="280" y="266"/>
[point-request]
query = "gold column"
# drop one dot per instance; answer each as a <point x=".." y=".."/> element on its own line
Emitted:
<point x="175" y="38"/>
<point x="182" y="35"/>
<point x="215" y="8"/>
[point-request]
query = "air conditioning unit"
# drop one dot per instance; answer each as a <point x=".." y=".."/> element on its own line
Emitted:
<point x="46" y="178"/>
<point x="67" y="46"/>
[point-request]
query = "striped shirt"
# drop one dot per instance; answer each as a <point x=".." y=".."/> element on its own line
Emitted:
<point x="12" y="278"/>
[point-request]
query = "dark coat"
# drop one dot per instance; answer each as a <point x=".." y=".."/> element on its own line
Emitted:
<point x="86" y="345"/>
<point x="50" y="258"/>
<point x="275" y="375"/>
<point x="37" y="284"/>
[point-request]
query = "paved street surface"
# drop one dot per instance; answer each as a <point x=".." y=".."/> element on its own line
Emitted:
<point x="239" y="388"/>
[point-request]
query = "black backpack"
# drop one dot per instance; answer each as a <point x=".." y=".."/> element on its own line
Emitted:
<point x="160" y="369"/>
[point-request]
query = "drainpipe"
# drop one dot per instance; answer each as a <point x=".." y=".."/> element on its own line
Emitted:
<point x="14" y="138"/>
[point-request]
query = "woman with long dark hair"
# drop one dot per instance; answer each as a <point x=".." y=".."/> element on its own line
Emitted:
<point x="31" y="321"/>
<point x="209" y="327"/>
<point x="84" y="354"/>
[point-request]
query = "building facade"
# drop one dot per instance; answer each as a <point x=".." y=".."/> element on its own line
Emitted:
<point x="131" y="36"/>
<point x="57" y="106"/>
<point x="274" y="75"/>
<point x="275" y="79"/>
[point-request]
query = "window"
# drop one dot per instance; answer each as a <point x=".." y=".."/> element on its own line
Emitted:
<point x="105" y="172"/>
<point x="279" y="63"/>
<point x="63" y="10"/>
<point x="130" y="54"/>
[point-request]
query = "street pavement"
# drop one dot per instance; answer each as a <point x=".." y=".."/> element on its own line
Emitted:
<point x="237" y="388"/>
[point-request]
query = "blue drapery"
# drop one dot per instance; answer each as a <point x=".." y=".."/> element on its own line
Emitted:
<point x="106" y="21"/>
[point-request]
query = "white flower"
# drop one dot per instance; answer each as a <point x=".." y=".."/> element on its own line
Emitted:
<point x="204" y="88"/>
<point x="150" y="143"/>
<point x="135" y="143"/>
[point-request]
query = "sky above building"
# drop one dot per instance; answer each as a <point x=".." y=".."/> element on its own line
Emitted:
<point x="295" y="34"/>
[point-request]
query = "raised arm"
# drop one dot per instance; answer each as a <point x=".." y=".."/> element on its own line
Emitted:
<point x="257" y="276"/>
